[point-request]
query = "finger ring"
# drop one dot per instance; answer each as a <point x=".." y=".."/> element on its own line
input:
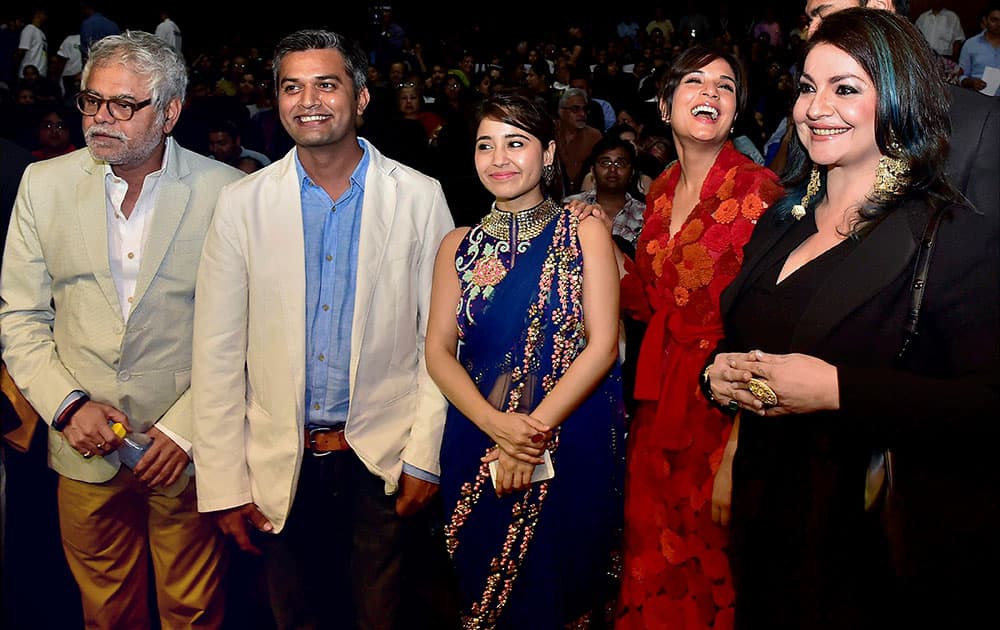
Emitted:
<point x="87" y="455"/>
<point x="762" y="391"/>
<point x="734" y="405"/>
<point x="101" y="445"/>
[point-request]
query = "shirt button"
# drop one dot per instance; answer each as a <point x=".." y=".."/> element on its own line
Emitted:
<point x="130" y="298"/>
<point x="326" y="307"/>
<point x="316" y="406"/>
<point x="131" y="255"/>
<point x="322" y="357"/>
<point x="329" y="258"/>
<point x="124" y="375"/>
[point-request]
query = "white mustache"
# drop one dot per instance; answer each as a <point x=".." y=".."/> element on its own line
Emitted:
<point x="104" y="131"/>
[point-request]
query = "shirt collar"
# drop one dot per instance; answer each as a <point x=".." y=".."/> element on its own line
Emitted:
<point x="357" y="177"/>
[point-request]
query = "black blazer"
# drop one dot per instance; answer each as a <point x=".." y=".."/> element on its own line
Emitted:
<point x="938" y="413"/>
<point x="974" y="152"/>
<point x="856" y="319"/>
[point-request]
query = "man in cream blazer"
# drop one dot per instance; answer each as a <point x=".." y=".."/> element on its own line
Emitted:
<point x="96" y="314"/>
<point x="268" y="460"/>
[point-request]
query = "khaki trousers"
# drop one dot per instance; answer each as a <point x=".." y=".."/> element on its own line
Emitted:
<point x="111" y="530"/>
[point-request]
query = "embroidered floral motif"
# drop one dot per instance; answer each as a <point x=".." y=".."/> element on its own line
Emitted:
<point x="560" y="323"/>
<point x="488" y="272"/>
<point x="726" y="211"/>
<point x="675" y="572"/>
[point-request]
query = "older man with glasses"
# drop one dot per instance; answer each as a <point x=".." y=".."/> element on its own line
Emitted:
<point x="574" y="137"/>
<point x="96" y="313"/>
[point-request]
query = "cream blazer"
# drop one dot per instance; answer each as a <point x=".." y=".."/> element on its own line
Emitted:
<point x="249" y="344"/>
<point x="62" y="328"/>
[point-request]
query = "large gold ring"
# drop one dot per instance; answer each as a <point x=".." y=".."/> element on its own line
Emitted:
<point x="762" y="391"/>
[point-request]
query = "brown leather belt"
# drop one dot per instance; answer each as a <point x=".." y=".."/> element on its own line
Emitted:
<point x="325" y="440"/>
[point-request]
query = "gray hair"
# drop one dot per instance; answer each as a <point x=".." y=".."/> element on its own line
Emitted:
<point x="569" y="93"/>
<point x="355" y="59"/>
<point x="147" y="56"/>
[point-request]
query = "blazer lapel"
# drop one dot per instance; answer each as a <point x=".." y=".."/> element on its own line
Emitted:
<point x="171" y="204"/>
<point x="279" y="212"/>
<point x="377" y="214"/>
<point x="769" y="244"/>
<point x="93" y="216"/>
<point x="879" y="258"/>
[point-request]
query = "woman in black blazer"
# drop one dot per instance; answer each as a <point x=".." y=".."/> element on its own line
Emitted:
<point x="814" y="323"/>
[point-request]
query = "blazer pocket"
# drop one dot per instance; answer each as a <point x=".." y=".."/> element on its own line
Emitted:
<point x="399" y="272"/>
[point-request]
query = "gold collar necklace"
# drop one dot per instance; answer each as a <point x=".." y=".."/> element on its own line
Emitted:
<point x="527" y="224"/>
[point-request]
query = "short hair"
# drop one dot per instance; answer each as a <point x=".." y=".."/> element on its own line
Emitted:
<point x="147" y="56"/>
<point x="355" y="59"/>
<point x="223" y="125"/>
<point x="518" y="109"/>
<point x="613" y="141"/>
<point x="569" y="93"/>
<point x="696" y="58"/>
<point x="618" y="129"/>
<point x="911" y="115"/>
<point x="541" y="68"/>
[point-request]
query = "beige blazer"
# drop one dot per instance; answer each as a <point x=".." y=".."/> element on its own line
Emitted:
<point x="249" y="346"/>
<point x="62" y="328"/>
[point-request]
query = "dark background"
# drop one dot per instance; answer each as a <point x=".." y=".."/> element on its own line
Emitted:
<point x="208" y="25"/>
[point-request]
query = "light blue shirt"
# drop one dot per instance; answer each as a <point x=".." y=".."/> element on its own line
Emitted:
<point x="977" y="53"/>
<point x="332" y="230"/>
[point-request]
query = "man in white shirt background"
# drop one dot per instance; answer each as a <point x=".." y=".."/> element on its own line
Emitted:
<point x="942" y="29"/>
<point x="169" y="32"/>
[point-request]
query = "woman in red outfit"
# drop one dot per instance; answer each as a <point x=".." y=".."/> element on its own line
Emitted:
<point x="699" y="213"/>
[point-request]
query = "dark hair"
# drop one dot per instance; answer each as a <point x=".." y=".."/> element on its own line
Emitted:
<point x="696" y="58"/>
<point x="518" y="109"/>
<point x="618" y="129"/>
<point x="222" y="125"/>
<point x="355" y="59"/>
<point x="610" y="141"/>
<point x="911" y="116"/>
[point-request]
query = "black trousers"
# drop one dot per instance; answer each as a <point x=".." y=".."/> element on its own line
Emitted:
<point x="346" y="560"/>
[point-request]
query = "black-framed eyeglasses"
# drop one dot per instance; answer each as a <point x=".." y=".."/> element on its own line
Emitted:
<point x="619" y="163"/>
<point x="576" y="109"/>
<point x="120" y="109"/>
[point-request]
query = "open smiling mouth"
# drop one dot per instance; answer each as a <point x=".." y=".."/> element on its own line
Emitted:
<point x="705" y="110"/>
<point x="826" y="131"/>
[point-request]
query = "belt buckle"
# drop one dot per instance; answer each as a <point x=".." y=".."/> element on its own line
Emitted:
<point x="312" y="440"/>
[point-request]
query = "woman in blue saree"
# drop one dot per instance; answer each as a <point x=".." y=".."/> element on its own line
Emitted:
<point x="531" y="371"/>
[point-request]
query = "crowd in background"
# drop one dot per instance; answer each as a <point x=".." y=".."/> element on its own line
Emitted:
<point x="424" y="87"/>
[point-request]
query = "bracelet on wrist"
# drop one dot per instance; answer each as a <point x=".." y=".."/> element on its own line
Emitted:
<point x="67" y="414"/>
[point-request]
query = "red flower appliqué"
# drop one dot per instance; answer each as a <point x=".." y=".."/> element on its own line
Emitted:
<point x="488" y="272"/>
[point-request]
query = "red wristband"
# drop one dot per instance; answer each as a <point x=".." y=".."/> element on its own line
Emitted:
<point x="68" y="412"/>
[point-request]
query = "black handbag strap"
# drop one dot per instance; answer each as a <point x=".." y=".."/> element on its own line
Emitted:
<point x="920" y="272"/>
